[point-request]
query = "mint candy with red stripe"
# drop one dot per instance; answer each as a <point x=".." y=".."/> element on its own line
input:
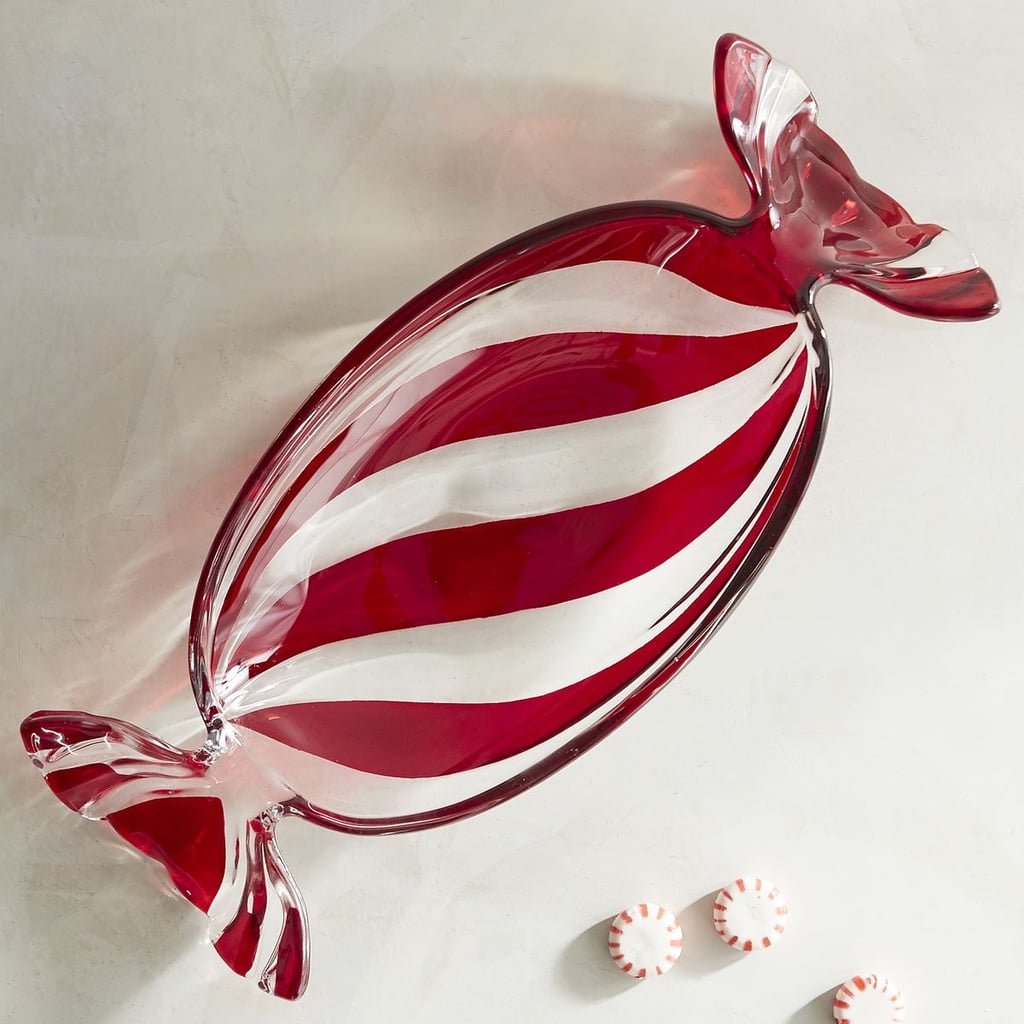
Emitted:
<point x="645" y="941"/>
<point x="750" y="914"/>
<point x="506" y="519"/>
<point x="868" y="999"/>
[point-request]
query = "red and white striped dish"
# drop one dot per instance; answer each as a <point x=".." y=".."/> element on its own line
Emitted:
<point x="465" y="588"/>
<point x="750" y="914"/>
<point x="645" y="941"/>
<point x="868" y="999"/>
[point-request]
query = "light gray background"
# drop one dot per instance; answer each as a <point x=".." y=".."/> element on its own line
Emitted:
<point x="203" y="205"/>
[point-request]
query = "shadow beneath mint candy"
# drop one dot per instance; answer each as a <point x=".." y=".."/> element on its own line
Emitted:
<point x="703" y="951"/>
<point x="817" y="1011"/>
<point x="586" y="970"/>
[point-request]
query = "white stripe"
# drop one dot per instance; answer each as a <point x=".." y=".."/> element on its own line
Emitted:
<point x="611" y="296"/>
<point x="138" y="790"/>
<point x="509" y="476"/>
<point x="513" y="656"/>
<point x="353" y="793"/>
<point x="605" y="296"/>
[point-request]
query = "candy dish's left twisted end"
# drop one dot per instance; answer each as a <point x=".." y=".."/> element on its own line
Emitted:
<point x="191" y="812"/>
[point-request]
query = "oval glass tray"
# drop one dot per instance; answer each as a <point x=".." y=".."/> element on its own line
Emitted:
<point x="507" y="518"/>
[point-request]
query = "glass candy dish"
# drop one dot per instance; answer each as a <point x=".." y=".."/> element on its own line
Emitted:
<point x="506" y="519"/>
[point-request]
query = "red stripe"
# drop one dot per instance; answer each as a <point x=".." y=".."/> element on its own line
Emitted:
<point x="545" y="381"/>
<point x="439" y="739"/>
<point x="499" y="567"/>
<point x="184" y="834"/>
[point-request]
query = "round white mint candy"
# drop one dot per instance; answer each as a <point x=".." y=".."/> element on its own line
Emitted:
<point x="645" y="941"/>
<point x="868" y="999"/>
<point x="750" y="914"/>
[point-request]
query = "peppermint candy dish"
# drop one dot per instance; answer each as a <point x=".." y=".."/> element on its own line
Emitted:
<point x="506" y="519"/>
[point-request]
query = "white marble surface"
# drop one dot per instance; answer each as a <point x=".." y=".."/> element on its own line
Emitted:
<point x="203" y="205"/>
